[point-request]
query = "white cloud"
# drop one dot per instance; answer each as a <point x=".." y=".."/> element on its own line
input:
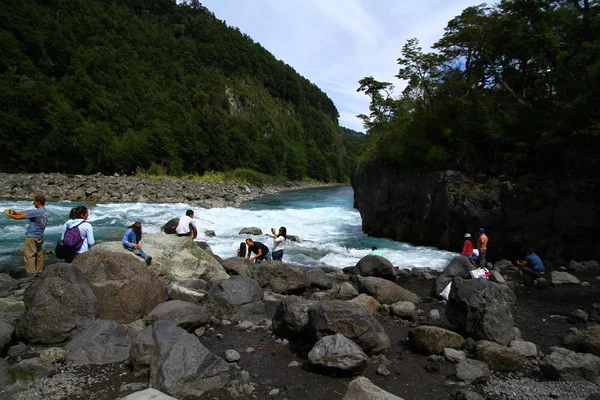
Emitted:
<point x="335" y="43"/>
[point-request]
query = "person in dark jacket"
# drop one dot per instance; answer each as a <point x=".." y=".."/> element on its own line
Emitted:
<point x="258" y="248"/>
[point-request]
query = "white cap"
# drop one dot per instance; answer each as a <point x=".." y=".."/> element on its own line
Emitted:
<point x="467" y="235"/>
<point x="476" y="252"/>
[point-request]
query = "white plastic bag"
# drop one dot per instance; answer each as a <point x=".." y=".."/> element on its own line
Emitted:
<point x="482" y="273"/>
<point x="446" y="292"/>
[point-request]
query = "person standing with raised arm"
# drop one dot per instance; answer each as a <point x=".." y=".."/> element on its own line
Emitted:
<point x="279" y="238"/>
<point x="33" y="256"/>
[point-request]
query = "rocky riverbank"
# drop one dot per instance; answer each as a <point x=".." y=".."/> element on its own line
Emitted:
<point x="99" y="188"/>
<point x="198" y="327"/>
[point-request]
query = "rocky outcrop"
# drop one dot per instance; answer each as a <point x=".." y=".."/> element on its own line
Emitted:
<point x="559" y="218"/>
<point x="125" y="288"/>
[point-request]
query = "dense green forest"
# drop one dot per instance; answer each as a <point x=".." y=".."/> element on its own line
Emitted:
<point x="509" y="89"/>
<point x="121" y="85"/>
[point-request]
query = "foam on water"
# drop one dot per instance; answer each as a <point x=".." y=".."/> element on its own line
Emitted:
<point x="328" y="227"/>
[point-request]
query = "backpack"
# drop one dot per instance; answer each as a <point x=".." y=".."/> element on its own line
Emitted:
<point x="72" y="239"/>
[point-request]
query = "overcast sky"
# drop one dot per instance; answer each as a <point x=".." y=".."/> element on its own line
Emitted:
<point x="335" y="43"/>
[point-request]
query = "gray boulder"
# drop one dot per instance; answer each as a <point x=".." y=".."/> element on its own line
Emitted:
<point x="329" y="317"/>
<point x="566" y="365"/>
<point x="188" y="316"/>
<point x="384" y="291"/>
<point x="178" y="292"/>
<point x="280" y="277"/>
<point x="433" y="339"/>
<point x="464" y="394"/>
<point x="103" y="342"/>
<point x="170" y="228"/>
<point x="499" y="358"/>
<point x="148" y="394"/>
<point x="181" y="366"/>
<point x="142" y="345"/>
<point x="7" y="285"/>
<point x="291" y="317"/>
<point x="60" y="305"/>
<point x="376" y="266"/>
<point x="250" y="230"/>
<point x="405" y="310"/>
<point x="346" y="291"/>
<point x="8" y="305"/>
<point x="125" y="288"/>
<point x="526" y="349"/>
<point x="338" y="353"/>
<point x="563" y="278"/>
<point x="482" y="309"/>
<point x="319" y="279"/>
<point x="362" y="388"/>
<point x="32" y="368"/>
<point x="469" y="370"/>
<point x="368" y="302"/>
<point x="5" y="377"/>
<point x="458" y="267"/>
<point x="584" y="340"/>
<point x="237" y="266"/>
<point x="7" y="333"/>
<point x="237" y="298"/>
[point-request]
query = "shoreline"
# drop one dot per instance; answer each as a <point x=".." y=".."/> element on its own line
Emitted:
<point x="98" y="188"/>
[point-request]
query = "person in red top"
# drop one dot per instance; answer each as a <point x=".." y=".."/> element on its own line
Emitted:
<point x="467" y="249"/>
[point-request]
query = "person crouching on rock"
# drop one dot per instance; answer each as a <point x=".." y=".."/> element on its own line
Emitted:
<point x="258" y="248"/>
<point x="532" y="266"/>
<point x="279" y="239"/>
<point x="187" y="225"/>
<point x="132" y="241"/>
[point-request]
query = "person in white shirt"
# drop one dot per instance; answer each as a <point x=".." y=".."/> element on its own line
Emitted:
<point x="187" y="225"/>
<point x="279" y="239"/>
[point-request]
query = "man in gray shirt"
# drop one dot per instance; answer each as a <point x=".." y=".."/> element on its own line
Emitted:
<point x="34" y="238"/>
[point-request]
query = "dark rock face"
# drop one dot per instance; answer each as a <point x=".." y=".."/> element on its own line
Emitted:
<point x="559" y="219"/>
<point x="482" y="309"/>
<point x="60" y="304"/>
<point x="170" y="227"/>
<point x="125" y="288"/>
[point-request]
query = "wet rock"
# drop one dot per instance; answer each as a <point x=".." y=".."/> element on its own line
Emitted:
<point x="188" y="316"/>
<point x="60" y="305"/>
<point x="368" y="302"/>
<point x="338" y="353"/>
<point x="405" y="310"/>
<point x="498" y="357"/>
<point x="125" y="288"/>
<point x="384" y="291"/>
<point x="469" y="371"/>
<point x="362" y="388"/>
<point x="565" y="365"/>
<point x="562" y="278"/>
<point x="32" y="368"/>
<point x="433" y="339"/>
<point x="482" y="309"/>
<point x="585" y="340"/>
<point x="376" y="266"/>
<point x="353" y="321"/>
<point x="280" y="277"/>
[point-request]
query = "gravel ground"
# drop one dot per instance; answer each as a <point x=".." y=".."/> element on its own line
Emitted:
<point x="529" y="389"/>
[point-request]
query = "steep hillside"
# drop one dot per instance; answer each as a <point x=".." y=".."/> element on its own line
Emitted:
<point x="105" y="86"/>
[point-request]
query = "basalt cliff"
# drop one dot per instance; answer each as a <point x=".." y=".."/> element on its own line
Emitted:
<point x="558" y="217"/>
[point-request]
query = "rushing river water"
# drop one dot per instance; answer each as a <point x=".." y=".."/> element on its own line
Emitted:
<point x="329" y="228"/>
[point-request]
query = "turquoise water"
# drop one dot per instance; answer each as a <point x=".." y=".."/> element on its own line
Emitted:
<point x="328" y="227"/>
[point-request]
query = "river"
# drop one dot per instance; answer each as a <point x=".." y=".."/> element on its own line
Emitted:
<point x="328" y="227"/>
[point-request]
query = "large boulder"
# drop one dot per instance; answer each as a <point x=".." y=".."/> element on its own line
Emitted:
<point x="125" y="288"/>
<point x="188" y="316"/>
<point x="148" y="394"/>
<point x="60" y="305"/>
<point x="170" y="228"/>
<point x="237" y="298"/>
<point x="181" y="366"/>
<point x="497" y="357"/>
<point x="566" y="365"/>
<point x="103" y="342"/>
<point x="482" y="309"/>
<point x="319" y="279"/>
<point x="368" y="302"/>
<point x="405" y="310"/>
<point x="563" y="278"/>
<point x="433" y="339"/>
<point x="362" y="388"/>
<point x="338" y="353"/>
<point x="291" y="317"/>
<point x="346" y="291"/>
<point x="175" y="258"/>
<point x="251" y="230"/>
<point x="329" y="317"/>
<point x="142" y="346"/>
<point x="376" y="266"/>
<point x="384" y="291"/>
<point x="469" y="370"/>
<point x="585" y="340"/>
<point x="460" y="266"/>
<point x="280" y="277"/>
<point x="237" y="265"/>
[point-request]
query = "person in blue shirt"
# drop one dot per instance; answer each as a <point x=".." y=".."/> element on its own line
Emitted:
<point x="34" y="238"/>
<point x="532" y="265"/>
<point x="132" y="240"/>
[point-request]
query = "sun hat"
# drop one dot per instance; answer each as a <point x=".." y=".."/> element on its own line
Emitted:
<point x="481" y="230"/>
<point x="467" y="235"/>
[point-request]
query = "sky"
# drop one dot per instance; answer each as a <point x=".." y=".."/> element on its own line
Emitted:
<point x="335" y="43"/>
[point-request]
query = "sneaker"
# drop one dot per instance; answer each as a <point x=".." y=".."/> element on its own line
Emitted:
<point x="148" y="260"/>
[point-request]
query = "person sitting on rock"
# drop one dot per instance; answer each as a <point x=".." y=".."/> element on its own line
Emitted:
<point x="467" y="249"/>
<point x="187" y="225"/>
<point x="532" y="265"/>
<point x="376" y="252"/>
<point x="258" y="248"/>
<point x="132" y="241"/>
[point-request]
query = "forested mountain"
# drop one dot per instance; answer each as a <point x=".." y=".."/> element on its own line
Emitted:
<point x="353" y="142"/>
<point x="116" y="85"/>
<point x="510" y="89"/>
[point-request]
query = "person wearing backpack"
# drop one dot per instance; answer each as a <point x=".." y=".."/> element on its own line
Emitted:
<point x="132" y="241"/>
<point x="77" y="234"/>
